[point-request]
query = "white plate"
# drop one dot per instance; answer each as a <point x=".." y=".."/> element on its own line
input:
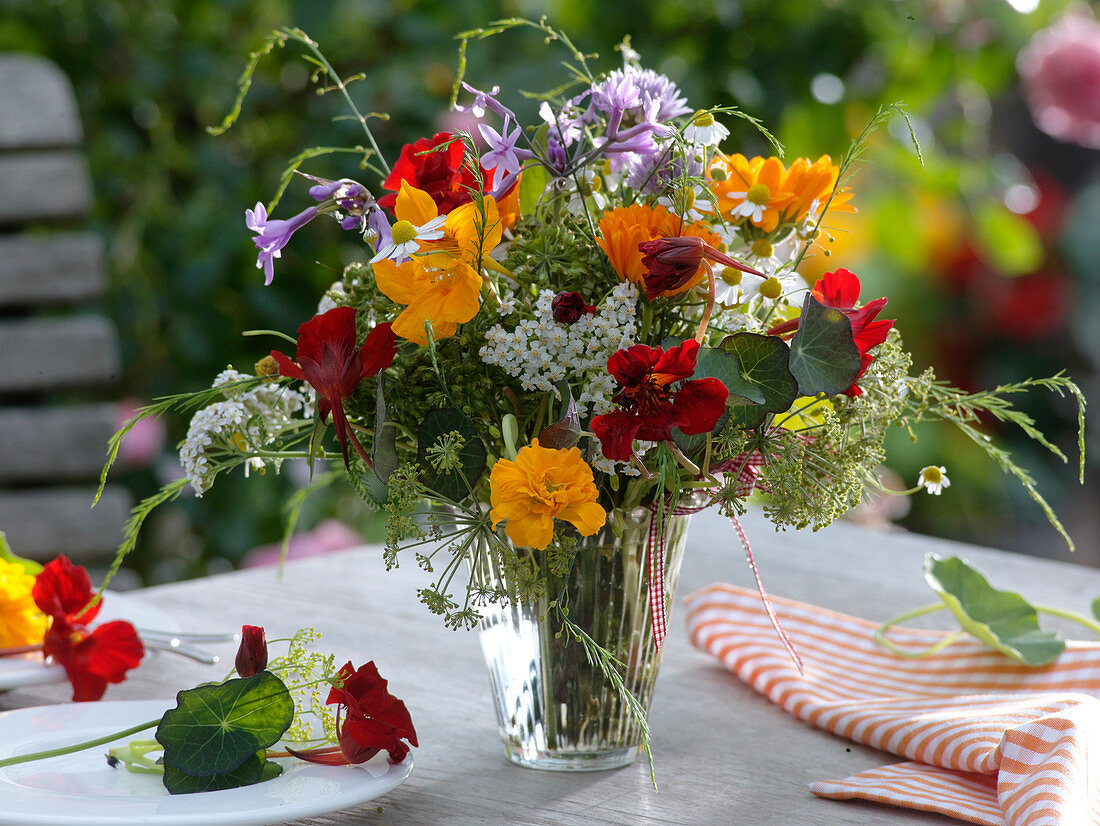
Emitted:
<point x="82" y="790"/>
<point x="30" y="669"/>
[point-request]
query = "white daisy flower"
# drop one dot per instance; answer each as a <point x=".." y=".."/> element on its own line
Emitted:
<point x="704" y="130"/>
<point x="934" y="479"/>
<point x="407" y="237"/>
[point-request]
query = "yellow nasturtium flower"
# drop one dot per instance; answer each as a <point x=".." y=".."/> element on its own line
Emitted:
<point x="21" y="623"/>
<point x="541" y="485"/>
<point x="806" y="414"/>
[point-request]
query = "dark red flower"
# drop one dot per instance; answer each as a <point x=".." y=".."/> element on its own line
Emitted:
<point x="252" y="652"/>
<point x="840" y="290"/>
<point x="568" y="307"/>
<point x="369" y="720"/>
<point x="63" y="589"/>
<point x="651" y="406"/>
<point x="92" y="659"/>
<point x="330" y="361"/>
<point x="441" y="173"/>
<point x="673" y="263"/>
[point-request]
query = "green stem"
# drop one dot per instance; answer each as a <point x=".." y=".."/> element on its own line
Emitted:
<point x="87" y="744"/>
<point x="1080" y="619"/>
<point x="880" y="633"/>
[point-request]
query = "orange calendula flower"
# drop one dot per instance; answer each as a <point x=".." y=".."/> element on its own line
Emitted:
<point x="21" y="623"/>
<point x="767" y="195"/>
<point x="625" y="228"/>
<point x="542" y="485"/>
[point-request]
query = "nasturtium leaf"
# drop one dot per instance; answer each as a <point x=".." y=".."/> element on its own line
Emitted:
<point x="691" y="444"/>
<point x="1001" y="619"/>
<point x="763" y="364"/>
<point x="1096" y="607"/>
<point x="249" y="772"/>
<point x="450" y="453"/>
<point x="824" y="356"/>
<point x="215" y="728"/>
<point x="716" y="363"/>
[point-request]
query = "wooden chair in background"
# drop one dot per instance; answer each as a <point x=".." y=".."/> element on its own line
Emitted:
<point x="59" y="357"/>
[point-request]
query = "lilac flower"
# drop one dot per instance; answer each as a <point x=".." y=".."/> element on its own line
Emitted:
<point x="485" y="101"/>
<point x="655" y="172"/>
<point x="348" y="201"/>
<point x="566" y="125"/>
<point x="273" y="235"/>
<point x="617" y="94"/>
<point x="503" y="157"/>
<point x="657" y="88"/>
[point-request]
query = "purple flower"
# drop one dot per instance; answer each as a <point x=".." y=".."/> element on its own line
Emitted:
<point x="485" y="101"/>
<point x="657" y="88"/>
<point x="566" y="125"/>
<point x="273" y="235"/>
<point x="617" y="94"/>
<point x="502" y="156"/>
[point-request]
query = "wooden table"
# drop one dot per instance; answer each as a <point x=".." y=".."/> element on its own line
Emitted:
<point x="723" y="754"/>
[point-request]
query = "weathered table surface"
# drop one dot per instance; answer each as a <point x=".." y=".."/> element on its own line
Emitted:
<point x="723" y="754"/>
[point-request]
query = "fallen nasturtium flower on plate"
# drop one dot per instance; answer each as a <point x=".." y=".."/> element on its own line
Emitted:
<point x="1003" y="620"/>
<point x="220" y="735"/>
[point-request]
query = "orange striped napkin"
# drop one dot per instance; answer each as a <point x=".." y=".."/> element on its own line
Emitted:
<point x="989" y="741"/>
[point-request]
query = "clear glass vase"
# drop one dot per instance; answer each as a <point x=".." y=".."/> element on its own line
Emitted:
<point x="556" y="709"/>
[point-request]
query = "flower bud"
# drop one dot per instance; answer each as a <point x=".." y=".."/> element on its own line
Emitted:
<point x="568" y="307"/>
<point x="267" y="367"/>
<point x="252" y="653"/>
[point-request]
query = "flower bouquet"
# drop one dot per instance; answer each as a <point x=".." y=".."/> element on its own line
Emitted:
<point x="564" y="338"/>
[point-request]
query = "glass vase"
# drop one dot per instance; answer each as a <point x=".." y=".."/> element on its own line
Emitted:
<point x="556" y="708"/>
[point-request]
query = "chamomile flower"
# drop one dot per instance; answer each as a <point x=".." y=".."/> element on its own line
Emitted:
<point x="934" y="479"/>
<point x="704" y="130"/>
<point x="407" y="237"/>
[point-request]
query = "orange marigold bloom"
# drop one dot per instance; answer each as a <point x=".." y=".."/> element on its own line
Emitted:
<point x="623" y="229"/>
<point x="810" y="182"/>
<point x="542" y="485"/>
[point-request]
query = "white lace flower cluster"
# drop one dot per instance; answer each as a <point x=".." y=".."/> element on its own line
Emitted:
<point x="248" y="419"/>
<point x="541" y="351"/>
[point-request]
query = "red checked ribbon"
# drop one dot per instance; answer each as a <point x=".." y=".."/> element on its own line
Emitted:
<point x="745" y="466"/>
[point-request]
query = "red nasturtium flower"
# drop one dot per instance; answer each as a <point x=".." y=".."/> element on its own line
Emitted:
<point x="840" y="290"/>
<point x="91" y="659"/>
<point x="252" y="652"/>
<point x="369" y="719"/>
<point x="330" y="361"/>
<point x="442" y="173"/>
<point x="673" y="263"/>
<point x="651" y="406"/>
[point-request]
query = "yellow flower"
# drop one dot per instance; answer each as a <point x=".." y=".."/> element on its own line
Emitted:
<point x="542" y="485"/>
<point x="470" y="233"/>
<point x="21" y="623"/>
<point x="447" y="298"/>
<point x="806" y="414"/>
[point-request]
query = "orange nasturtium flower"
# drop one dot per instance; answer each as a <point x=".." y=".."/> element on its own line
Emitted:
<point x="624" y="228"/>
<point x="542" y="485"/>
<point x="21" y="623"/>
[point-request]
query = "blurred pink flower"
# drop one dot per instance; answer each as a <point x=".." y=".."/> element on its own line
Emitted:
<point x="143" y="444"/>
<point x="1060" y="73"/>
<point x="330" y="535"/>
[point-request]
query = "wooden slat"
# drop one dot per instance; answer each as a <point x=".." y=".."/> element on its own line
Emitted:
<point x="37" y="106"/>
<point x="49" y="353"/>
<point x="63" y="268"/>
<point x="54" y="444"/>
<point x="40" y="524"/>
<point x="39" y="186"/>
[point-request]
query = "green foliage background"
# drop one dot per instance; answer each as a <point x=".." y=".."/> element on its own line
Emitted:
<point x="151" y="76"/>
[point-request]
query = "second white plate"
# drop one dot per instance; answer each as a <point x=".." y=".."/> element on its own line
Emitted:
<point x="82" y="790"/>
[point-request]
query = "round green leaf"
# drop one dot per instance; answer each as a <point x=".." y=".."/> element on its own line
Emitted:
<point x="1003" y="620"/>
<point x="214" y="729"/>
<point x="824" y="356"/>
<point x="249" y="772"/>
<point x="450" y="453"/>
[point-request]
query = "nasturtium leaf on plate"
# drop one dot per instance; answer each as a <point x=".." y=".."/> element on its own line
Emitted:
<point x="249" y="772"/>
<point x="1096" y="607"/>
<point x="1001" y="619"/>
<point x="450" y="453"/>
<point x="824" y="356"/>
<point x="215" y="728"/>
